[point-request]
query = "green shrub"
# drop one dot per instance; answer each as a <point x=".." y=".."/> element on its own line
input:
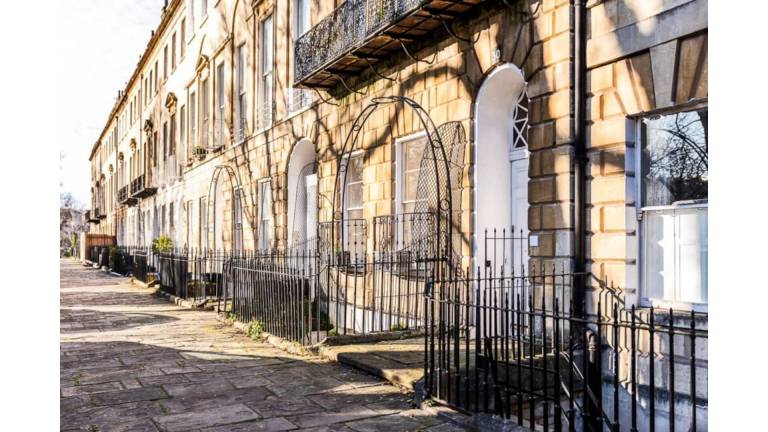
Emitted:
<point x="254" y="329"/>
<point x="162" y="244"/>
<point x="113" y="256"/>
<point x="333" y="332"/>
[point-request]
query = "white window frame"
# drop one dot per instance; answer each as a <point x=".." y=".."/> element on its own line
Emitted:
<point x="192" y="121"/>
<point x="221" y="98"/>
<point x="190" y="223"/>
<point x="302" y="16"/>
<point x="266" y="72"/>
<point x="241" y="92"/>
<point x="203" y="228"/>
<point x="205" y="114"/>
<point x="237" y="219"/>
<point x="345" y="162"/>
<point x="399" y="168"/>
<point x="265" y="214"/>
<point x="634" y="163"/>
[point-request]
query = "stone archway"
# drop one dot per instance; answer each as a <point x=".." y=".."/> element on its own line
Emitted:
<point x="501" y="169"/>
<point x="302" y="194"/>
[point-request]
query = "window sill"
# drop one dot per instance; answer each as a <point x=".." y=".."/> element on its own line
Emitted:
<point x="677" y="306"/>
<point x="291" y="115"/>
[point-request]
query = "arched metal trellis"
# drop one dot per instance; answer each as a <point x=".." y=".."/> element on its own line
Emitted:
<point x="234" y="181"/>
<point x="437" y="165"/>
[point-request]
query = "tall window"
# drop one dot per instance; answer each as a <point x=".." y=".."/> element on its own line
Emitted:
<point x="238" y="220"/>
<point x="409" y="154"/>
<point x="163" y="227"/>
<point x="157" y="72"/>
<point x="165" y="140"/>
<point x="182" y="131"/>
<point x="154" y="148"/>
<point x="173" y="51"/>
<point x="353" y="192"/>
<point x="204" y="112"/>
<point x="203" y="223"/>
<point x="170" y="220"/>
<point x="190" y="226"/>
<point x="302" y="17"/>
<point x="183" y="37"/>
<point x="265" y="215"/>
<point x="192" y="14"/>
<point x="220" y="97"/>
<point x="265" y="117"/>
<point x="172" y="139"/>
<point x="674" y="193"/>
<point x="192" y="120"/>
<point x="165" y="62"/>
<point x="241" y="92"/>
<point x="352" y="204"/>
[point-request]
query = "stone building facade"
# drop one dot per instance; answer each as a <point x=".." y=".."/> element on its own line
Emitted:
<point x="230" y="132"/>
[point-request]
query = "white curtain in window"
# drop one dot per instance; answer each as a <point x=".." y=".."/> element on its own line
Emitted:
<point x="676" y="254"/>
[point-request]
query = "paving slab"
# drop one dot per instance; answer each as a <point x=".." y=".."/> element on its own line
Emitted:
<point x="201" y="418"/>
<point x="130" y="361"/>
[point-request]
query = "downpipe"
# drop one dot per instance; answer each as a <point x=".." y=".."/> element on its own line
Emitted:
<point x="593" y="376"/>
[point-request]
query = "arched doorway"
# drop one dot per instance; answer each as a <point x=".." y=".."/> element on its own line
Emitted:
<point x="302" y="194"/>
<point x="501" y="170"/>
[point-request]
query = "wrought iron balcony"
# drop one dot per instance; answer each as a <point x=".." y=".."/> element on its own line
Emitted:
<point x="99" y="214"/>
<point x="140" y="188"/>
<point x="91" y="216"/>
<point x="124" y="196"/>
<point x="359" y="33"/>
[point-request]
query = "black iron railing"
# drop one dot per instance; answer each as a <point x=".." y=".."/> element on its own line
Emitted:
<point x="279" y="290"/>
<point x="140" y="188"/>
<point x="193" y="274"/>
<point x="124" y="195"/>
<point x="344" y="29"/>
<point x="510" y="345"/>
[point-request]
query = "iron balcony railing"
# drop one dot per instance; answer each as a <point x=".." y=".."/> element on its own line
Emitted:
<point x="140" y="188"/>
<point x="345" y="29"/>
<point x="124" y="195"/>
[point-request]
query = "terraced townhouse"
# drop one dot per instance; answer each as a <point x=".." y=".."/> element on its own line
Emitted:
<point x="570" y="133"/>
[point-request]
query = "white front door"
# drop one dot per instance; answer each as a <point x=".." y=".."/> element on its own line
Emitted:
<point x="310" y="182"/>
<point x="519" y="201"/>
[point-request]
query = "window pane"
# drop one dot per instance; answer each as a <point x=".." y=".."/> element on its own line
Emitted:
<point x="410" y="188"/>
<point x="413" y="153"/>
<point x="355" y="169"/>
<point x="692" y="255"/>
<point x="354" y="194"/>
<point x="674" y="158"/>
<point x="675" y="254"/>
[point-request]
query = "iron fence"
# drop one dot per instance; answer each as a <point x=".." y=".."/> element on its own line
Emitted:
<point x="528" y="357"/>
<point x="142" y="264"/>
<point x="193" y="274"/>
<point x="99" y="255"/>
<point x="278" y="289"/>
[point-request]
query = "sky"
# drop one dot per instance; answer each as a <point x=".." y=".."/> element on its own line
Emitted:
<point x="109" y="37"/>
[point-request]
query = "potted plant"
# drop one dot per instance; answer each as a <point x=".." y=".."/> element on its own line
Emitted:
<point x="162" y="244"/>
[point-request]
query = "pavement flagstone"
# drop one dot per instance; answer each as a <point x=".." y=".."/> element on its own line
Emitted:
<point x="130" y="361"/>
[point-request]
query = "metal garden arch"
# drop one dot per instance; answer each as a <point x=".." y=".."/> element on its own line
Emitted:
<point x="441" y="165"/>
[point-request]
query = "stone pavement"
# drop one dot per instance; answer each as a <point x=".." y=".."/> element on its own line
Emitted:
<point x="133" y="362"/>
